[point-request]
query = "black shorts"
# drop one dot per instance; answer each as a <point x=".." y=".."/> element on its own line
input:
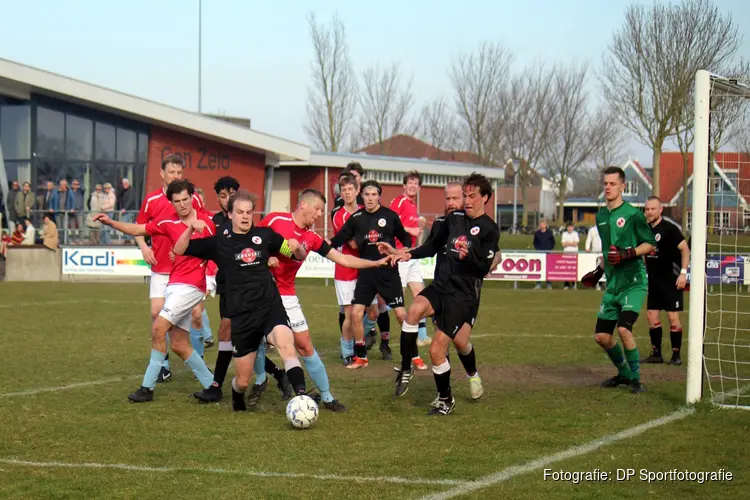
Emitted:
<point x="451" y="312"/>
<point x="223" y="312"/>
<point x="664" y="298"/>
<point x="385" y="282"/>
<point x="250" y="328"/>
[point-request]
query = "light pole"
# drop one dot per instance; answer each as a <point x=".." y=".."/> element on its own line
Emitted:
<point x="516" y="165"/>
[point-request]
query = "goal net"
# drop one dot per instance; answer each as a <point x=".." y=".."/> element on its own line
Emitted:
<point x="719" y="359"/>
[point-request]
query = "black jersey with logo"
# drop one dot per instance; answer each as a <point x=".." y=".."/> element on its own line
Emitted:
<point x="367" y="229"/>
<point x="665" y="262"/>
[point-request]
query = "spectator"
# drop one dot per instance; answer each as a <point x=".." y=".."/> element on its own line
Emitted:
<point x="127" y="204"/>
<point x="95" y="207"/>
<point x="17" y="236"/>
<point x="199" y="192"/>
<point x="29" y="235"/>
<point x="108" y="207"/>
<point x="424" y="231"/>
<point x="61" y="202"/>
<point x="2" y="210"/>
<point x="24" y="203"/>
<point x="570" y="242"/>
<point x="78" y="195"/>
<point x="44" y="201"/>
<point x="10" y="203"/>
<point x="544" y="241"/>
<point x="594" y="244"/>
<point x="50" y="237"/>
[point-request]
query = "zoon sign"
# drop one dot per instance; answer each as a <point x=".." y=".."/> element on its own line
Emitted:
<point x="520" y="266"/>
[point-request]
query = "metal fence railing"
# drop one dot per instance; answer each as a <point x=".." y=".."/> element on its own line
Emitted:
<point x="80" y="228"/>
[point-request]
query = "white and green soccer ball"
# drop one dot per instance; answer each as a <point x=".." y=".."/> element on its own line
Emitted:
<point x="302" y="411"/>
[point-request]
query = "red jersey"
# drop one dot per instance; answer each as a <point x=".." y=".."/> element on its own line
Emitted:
<point x="283" y="224"/>
<point x="185" y="270"/>
<point x="211" y="268"/>
<point x="344" y="273"/>
<point x="156" y="207"/>
<point x="407" y="212"/>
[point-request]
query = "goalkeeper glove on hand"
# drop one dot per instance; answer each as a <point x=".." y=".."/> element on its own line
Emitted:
<point x="619" y="255"/>
<point x="591" y="279"/>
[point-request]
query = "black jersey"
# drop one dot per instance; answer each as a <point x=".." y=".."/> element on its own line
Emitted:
<point x="665" y="262"/>
<point x="339" y="202"/>
<point x="219" y="220"/>
<point x="435" y="230"/>
<point x="249" y="284"/>
<point x="369" y="228"/>
<point x="481" y="236"/>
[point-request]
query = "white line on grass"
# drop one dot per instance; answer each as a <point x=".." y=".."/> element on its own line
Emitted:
<point x="539" y="463"/>
<point x="249" y="473"/>
<point x="32" y="392"/>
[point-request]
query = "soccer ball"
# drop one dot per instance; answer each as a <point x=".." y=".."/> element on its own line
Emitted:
<point x="302" y="412"/>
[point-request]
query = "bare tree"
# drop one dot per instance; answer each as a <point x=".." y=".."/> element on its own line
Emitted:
<point x="574" y="134"/>
<point x="478" y="81"/>
<point x="524" y="122"/>
<point x="438" y="125"/>
<point x="610" y="140"/>
<point x="652" y="61"/>
<point x="332" y="97"/>
<point x="587" y="181"/>
<point x="385" y="105"/>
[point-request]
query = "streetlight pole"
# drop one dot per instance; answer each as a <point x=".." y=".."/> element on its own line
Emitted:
<point x="200" y="44"/>
<point x="515" y="196"/>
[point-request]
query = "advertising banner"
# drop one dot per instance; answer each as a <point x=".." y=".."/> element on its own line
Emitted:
<point x="562" y="267"/>
<point x="520" y="266"/>
<point x="104" y="261"/>
<point x="725" y="269"/>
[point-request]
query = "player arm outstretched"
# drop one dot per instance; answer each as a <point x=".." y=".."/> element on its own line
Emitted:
<point x="357" y="263"/>
<point x="203" y="248"/>
<point x="436" y="240"/>
<point x="183" y="241"/>
<point x="123" y="227"/>
<point x="345" y="234"/>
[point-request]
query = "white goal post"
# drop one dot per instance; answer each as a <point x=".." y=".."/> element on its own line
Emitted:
<point x="719" y="316"/>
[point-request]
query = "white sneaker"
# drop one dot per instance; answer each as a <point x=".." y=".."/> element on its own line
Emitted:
<point x="475" y="386"/>
<point x="425" y="342"/>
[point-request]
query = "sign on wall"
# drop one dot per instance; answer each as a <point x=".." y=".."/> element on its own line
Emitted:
<point x="521" y="266"/>
<point x="104" y="261"/>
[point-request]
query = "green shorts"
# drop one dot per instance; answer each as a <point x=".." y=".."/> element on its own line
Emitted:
<point x="630" y="299"/>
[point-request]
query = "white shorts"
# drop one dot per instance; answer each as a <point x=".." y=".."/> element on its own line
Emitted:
<point x="211" y="285"/>
<point x="294" y="312"/>
<point x="410" y="272"/>
<point x="179" y="304"/>
<point x="158" y="286"/>
<point x="345" y="292"/>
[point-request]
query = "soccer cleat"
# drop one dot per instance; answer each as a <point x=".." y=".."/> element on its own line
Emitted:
<point x="208" y="343"/>
<point x="348" y="360"/>
<point x="475" y="387"/>
<point x="371" y="339"/>
<point x="676" y="359"/>
<point x="334" y="406"/>
<point x="312" y="395"/>
<point x="358" y="363"/>
<point x="636" y="386"/>
<point x="211" y="395"/>
<point x="164" y="375"/>
<point x="282" y="382"/>
<point x="442" y="407"/>
<point x="655" y="358"/>
<point x="385" y="350"/>
<point x="142" y="395"/>
<point x="402" y="382"/>
<point x="256" y="392"/>
<point x="419" y="364"/>
<point x="615" y="381"/>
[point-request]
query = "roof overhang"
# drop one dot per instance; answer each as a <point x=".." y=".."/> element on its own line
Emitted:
<point x="395" y="164"/>
<point x="21" y="81"/>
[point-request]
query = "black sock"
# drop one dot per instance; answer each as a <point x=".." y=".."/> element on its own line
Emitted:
<point x="297" y="379"/>
<point x="222" y="365"/>
<point x="469" y="361"/>
<point x="384" y="323"/>
<point x="408" y="347"/>
<point x="443" y="383"/>
<point x="384" y="342"/>
<point x="238" y="400"/>
<point x="676" y="337"/>
<point x="271" y="368"/>
<point x="655" y="334"/>
<point x="360" y="349"/>
<point x="342" y="317"/>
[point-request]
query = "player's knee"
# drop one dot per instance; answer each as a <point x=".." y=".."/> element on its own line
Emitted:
<point x="181" y="348"/>
<point x="196" y="318"/>
<point x="401" y="315"/>
<point x="225" y="330"/>
<point x="357" y="314"/>
<point x="603" y="339"/>
<point x="437" y="354"/>
<point x="304" y="345"/>
<point x="373" y="314"/>
<point x="626" y="321"/>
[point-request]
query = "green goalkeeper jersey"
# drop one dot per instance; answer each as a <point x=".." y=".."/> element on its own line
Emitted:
<point x="624" y="227"/>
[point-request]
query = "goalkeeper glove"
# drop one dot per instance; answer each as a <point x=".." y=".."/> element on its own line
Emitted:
<point x="619" y="255"/>
<point x="591" y="279"/>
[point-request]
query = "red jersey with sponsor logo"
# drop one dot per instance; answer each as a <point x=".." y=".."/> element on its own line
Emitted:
<point x="344" y="273"/>
<point x="156" y="207"/>
<point x="407" y="212"/>
<point x="185" y="270"/>
<point x="283" y="224"/>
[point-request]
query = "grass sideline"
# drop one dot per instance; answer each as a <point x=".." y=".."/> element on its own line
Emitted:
<point x="540" y="367"/>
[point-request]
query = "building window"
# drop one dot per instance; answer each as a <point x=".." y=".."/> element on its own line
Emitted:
<point x="716" y="184"/>
<point x="79" y="138"/>
<point x="50" y="134"/>
<point x="690" y="219"/>
<point x="105" y="142"/>
<point x="429" y="180"/>
<point x="631" y="188"/>
<point x="15" y="132"/>
<point x="126" y="145"/>
<point x="722" y="220"/>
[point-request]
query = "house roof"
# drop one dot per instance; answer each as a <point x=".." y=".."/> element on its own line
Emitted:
<point x="672" y="172"/>
<point x="406" y="146"/>
<point x="21" y="81"/>
<point x="394" y="164"/>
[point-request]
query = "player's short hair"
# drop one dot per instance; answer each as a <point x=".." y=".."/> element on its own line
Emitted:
<point x="479" y="182"/>
<point x="178" y="186"/>
<point x="457" y="184"/>
<point x="653" y="198"/>
<point x="372" y="183"/>
<point x="172" y="159"/>
<point x="614" y="170"/>
<point x="311" y="193"/>
<point x="412" y="174"/>
<point x="241" y="195"/>
<point x="346" y="180"/>
<point x="227" y="184"/>
<point x="354" y="166"/>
